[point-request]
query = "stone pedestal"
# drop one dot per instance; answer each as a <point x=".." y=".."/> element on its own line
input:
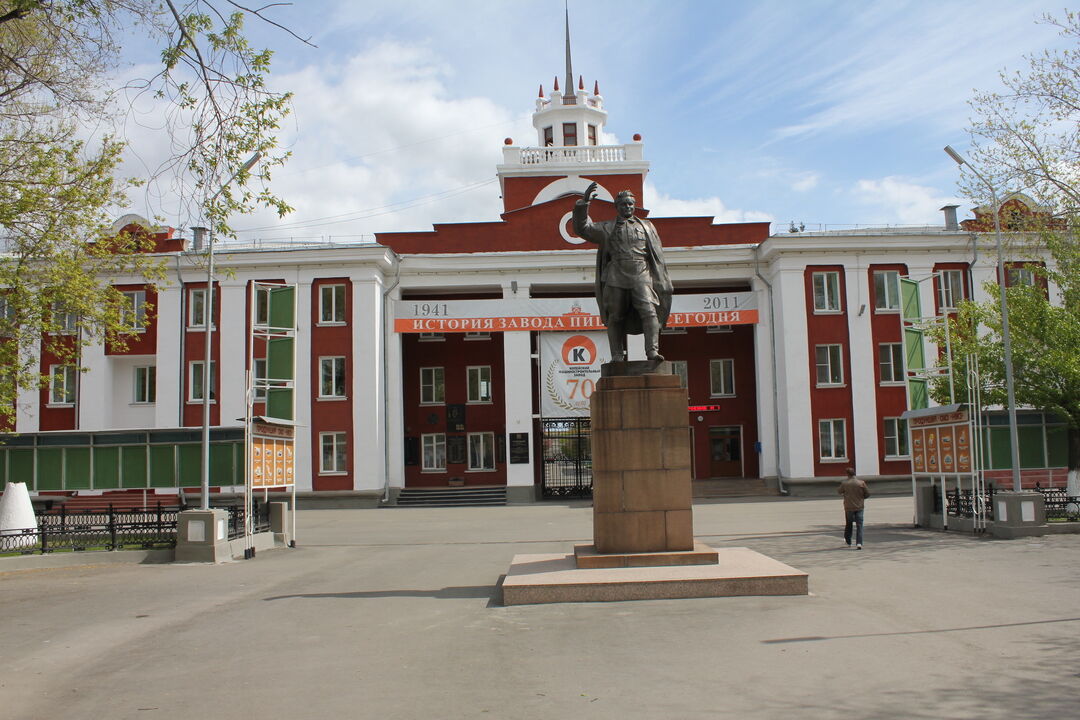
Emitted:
<point x="641" y="465"/>
<point x="1019" y="514"/>
<point x="203" y="536"/>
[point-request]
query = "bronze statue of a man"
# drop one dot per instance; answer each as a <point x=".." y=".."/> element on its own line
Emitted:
<point x="632" y="285"/>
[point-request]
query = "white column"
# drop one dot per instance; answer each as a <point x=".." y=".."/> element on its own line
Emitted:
<point x="395" y="412"/>
<point x="28" y="403"/>
<point x="170" y="368"/>
<point x="232" y="356"/>
<point x="793" y="374"/>
<point x="518" y="394"/>
<point x="764" y="353"/>
<point x="302" y="450"/>
<point x="96" y="409"/>
<point x="863" y="354"/>
<point x="368" y="399"/>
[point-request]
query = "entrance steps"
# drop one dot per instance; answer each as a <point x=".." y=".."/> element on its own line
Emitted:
<point x="452" y="497"/>
<point x="732" y="487"/>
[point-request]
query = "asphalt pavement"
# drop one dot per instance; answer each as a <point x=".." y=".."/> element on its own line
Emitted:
<point x="395" y="614"/>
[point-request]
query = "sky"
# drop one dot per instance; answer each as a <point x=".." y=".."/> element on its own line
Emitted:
<point x="829" y="114"/>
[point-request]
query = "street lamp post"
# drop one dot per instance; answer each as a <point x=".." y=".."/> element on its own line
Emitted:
<point x="1005" y="336"/>
<point x="208" y="317"/>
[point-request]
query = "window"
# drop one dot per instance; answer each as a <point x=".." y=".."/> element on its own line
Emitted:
<point x="197" y="307"/>
<point x="195" y="381"/>
<point x="431" y="337"/>
<point x="549" y="136"/>
<point x="66" y="321"/>
<point x="332" y="305"/>
<point x="719" y="329"/>
<point x="1016" y="276"/>
<point x="477" y="336"/>
<point x="569" y="134"/>
<point x="886" y="290"/>
<point x="592" y="134"/>
<point x="722" y="378"/>
<point x="950" y="288"/>
<point x="133" y="314"/>
<point x="332" y="457"/>
<point x="434" y="452"/>
<point x="262" y="306"/>
<point x="432" y="388"/>
<point x="673" y="331"/>
<point x="830" y="366"/>
<point x="62" y="385"/>
<point x="258" y="380"/>
<point x="482" y="451"/>
<point x="480" y="384"/>
<point x="831" y="434"/>
<point x="332" y="377"/>
<point x="679" y="367"/>
<point x="896" y="438"/>
<point x="891" y="362"/>
<point x="146" y="385"/>
<point x="826" y="291"/>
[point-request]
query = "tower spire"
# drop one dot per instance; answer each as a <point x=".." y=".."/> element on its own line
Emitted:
<point x="569" y="67"/>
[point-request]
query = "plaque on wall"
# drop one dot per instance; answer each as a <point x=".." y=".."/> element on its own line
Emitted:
<point x="519" y="448"/>
<point x="412" y="450"/>
<point x="455" y="418"/>
<point x="455" y="450"/>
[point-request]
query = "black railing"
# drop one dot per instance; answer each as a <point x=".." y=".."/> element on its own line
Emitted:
<point x="113" y="528"/>
<point x="567" y="454"/>
<point x="1060" y="505"/>
<point x="964" y="503"/>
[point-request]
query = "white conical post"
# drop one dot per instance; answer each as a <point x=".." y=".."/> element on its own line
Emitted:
<point x="17" y="514"/>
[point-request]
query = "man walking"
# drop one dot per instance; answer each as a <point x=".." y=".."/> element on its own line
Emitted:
<point x="855" y="493"/>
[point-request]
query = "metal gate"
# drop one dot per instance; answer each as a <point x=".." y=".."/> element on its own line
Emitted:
<point x="567" y="452"/>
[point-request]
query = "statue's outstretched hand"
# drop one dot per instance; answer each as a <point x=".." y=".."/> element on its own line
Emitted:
<point x="589" y="193"/>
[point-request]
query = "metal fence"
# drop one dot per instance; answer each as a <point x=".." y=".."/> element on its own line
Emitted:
<point x="567" y="453"/>
<point x="965" y="503"/>
<point x="117" y="528"/>
<point x="1060" y="505"/>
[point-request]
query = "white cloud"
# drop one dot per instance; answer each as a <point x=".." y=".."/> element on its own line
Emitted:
<point x="661" y="205"/>
<point x="805" y="181"/>
<point x="900" y="201"/>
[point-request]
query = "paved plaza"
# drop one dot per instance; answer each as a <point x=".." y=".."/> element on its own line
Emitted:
<point x="394" y="614"/>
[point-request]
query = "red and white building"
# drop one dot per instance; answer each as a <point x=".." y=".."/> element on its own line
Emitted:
<point x="435" y="357"/>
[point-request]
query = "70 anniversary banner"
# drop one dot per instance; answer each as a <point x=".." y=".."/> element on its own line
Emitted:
<point x="560" y="314"/>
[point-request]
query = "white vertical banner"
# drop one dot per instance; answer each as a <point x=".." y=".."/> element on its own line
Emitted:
<point x="569" y="370"/>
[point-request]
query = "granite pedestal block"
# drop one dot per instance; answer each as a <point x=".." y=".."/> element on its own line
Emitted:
<point x="641" y="465"/>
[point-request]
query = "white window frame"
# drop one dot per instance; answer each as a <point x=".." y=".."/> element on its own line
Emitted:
<point x="475" y="380"/>
<point x="67" y="322"/>
<point x="829" y="431"/>
<point x="833" y="359"/>
<point x="258" y="372"/>
<point x="891" y="359"/>
<point x="1019" y="276"/>
<point x="887" y="291"/>
<point x="431" y="337"/>
<point x="483" y="443"/>
<point x="478" y="335"/>
<point x="727" y="377"/>
<point x="673" y="331"/>
<point x="199" y="323"/>
<point x="437" y="444"/>
<point x="950" y="288"/>
<point x="62" y="384"/>
<point x="712" y="329"/>
<point x="336" y="364"/>
<point x="829" y="281"/>
<point x="336" y="442"/>
<point x="332" y="309"/>
<point x="145" y="381"/>
<point x="895" y="430"/>
<point x="262" y="306"/>
<point x="195" y="374"/>
<point x="432" y="386"/>
<point x="682" y="369"/>
<point x="133" y="314"/>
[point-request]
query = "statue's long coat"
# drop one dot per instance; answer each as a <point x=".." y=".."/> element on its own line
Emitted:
<point x="601" y="233"/>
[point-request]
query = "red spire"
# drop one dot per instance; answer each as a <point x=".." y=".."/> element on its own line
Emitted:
<point x="556" y="83"/>
<point x="596" y="88"/>
<point x="541" y="89"/>
<point x="580" y="83"/>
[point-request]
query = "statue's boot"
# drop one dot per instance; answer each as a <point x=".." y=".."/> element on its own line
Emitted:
<point x="617" y="343"/>
<point x="651" y="327"/>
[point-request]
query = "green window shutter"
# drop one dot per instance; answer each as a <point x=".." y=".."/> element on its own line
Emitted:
<point x="21" y="467"/>
<point x="163" y="466"/>
<point x="133" y="466"/>
<point x="106" y="467"/>
<point x="50" y="469"/>
<point x="279" y="358"/>
<point x="283" y="307"/>
<point x="910" y="307"/>
<point x="77" y="469"/>
<point x="914" y="354"/>
<point x="1057" y="446"/>
<point x="191" y="466"/>
<point x="919" y="393"/>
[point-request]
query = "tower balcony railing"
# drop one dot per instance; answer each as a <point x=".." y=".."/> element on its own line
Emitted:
<point x="572" y="155"/>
